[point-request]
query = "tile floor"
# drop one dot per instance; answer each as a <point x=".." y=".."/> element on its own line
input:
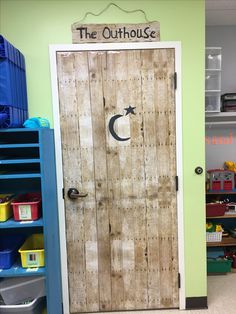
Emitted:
<point x="221" y="297"/>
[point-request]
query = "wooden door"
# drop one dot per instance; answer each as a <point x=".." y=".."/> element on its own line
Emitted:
<point x="117" y="119"/>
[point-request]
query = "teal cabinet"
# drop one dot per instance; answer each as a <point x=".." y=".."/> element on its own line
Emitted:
<point x="27" y="164"/>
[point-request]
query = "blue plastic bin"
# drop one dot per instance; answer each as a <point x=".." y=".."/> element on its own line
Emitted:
<point x="215" y="252"/>
<point x="9" y="246"/>
<point x="13" y="94"/>
<point x="11" y="117"/>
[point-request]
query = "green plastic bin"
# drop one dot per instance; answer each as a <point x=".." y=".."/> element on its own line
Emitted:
<point x="218" y="265"/>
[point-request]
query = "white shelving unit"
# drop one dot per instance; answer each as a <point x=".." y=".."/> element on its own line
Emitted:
<point x="220" y="118"/>
<point x="213" y="79"/>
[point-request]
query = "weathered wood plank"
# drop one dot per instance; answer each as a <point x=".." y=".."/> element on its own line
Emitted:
<point x="166" y="163"/>
<point x="113" y="183"/>
<point x="100" y="173"/>
<point x="141" y="270"/>
<point x="87" y="180"/>
<point x="138" y="182"/>
<point x="128" y="256"/>
<point x="104" y="255"/>
<point x="85" y="125"/>
<point x="114" y="175"/>
<point x="72" y="176"/>
<point x="151" y="177"/>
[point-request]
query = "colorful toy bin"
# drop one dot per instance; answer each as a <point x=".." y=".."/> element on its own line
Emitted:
<point x="5" y="207"/>
<point x="27" y="206"/>
<point x="32" y="251"/>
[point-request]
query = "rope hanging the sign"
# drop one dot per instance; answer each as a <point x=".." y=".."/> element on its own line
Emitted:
<point x="88" y="33"/>
<point x="118" y="7"/>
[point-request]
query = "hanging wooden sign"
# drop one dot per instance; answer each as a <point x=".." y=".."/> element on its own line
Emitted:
<point x="91" y="33"/>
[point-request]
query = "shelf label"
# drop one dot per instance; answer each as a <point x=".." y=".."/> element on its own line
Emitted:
<point x="25" y="212"/>
<point x="31" y="270"/>
<point x="33" y="259"/>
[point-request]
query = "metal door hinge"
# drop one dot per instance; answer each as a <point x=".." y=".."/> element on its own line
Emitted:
<point x="175" y="80"/>
<point x="177" y="183"/>
<point x="179" y="285"/>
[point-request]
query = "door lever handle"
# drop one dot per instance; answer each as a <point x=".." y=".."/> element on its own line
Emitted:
<point x="74" y="194"/>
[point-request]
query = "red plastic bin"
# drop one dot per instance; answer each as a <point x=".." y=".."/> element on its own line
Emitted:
<point x="27" y="206"/>
<point x="215" y="209"/>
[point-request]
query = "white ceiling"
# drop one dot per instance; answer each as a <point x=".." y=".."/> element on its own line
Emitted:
<point x="220" y="12"/>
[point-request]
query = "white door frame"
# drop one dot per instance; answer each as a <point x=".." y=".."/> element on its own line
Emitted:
<point x="53" y="49"/>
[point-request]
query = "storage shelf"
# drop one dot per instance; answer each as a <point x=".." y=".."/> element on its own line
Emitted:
<point x="226" y="241"/>
<point x="223" y="217"/>
<point x="212" y="112"/>
<point x="20" y="175"/>
<point x="19" y="161"/>
<point x="212" y="90"/>
<point x="27" y="165"/>
<point x="17" y="130"/>
<point x="11" y="223"/>
<point x="220" y="192"/>
<point x="220" y="117"/>
<point x="17" y="270"/>
<point x="213" y="70"/>
<point x="18" y="145"/>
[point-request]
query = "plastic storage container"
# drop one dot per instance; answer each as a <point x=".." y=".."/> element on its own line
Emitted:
<point x="5" y="207"/>
<point x="215" y="209"/>
<point x="27" y="206"/>
<point x="213" y="82"/>
<point x="215" y="252"/>
<point x="13" y="94"/>
<point x="218" y="265"/>
<point x="213" y="236"/>
<point x="212" y="79"/>
<point x="18" y="290"/>
<point x="32" y="251"/>
<point x="9" y="246"/>
<point x="221" y="179"/>
<point x="213" y="58"/>
<point x="34" y="307"/>
<point x="212" y="101"/>
<point x="11" y="117"/>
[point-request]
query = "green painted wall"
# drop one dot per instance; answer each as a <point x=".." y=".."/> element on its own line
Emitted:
<point x="32" y="25"/>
